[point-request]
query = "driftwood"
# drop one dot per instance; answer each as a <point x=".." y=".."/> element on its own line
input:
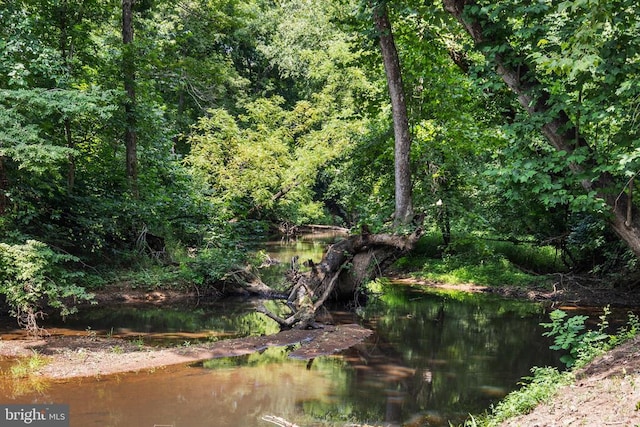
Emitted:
<point x="278" y="421"/>
<point x="344" y="267"/>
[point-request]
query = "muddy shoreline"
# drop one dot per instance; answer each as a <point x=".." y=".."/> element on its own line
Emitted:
<point x="87" y="356"/>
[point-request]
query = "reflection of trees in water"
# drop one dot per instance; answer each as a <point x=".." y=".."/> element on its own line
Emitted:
<point x="217" y="321"/>
<point x="461" y="354"/>
<point x="434" y="357"/>
<point x="195" y="396"/>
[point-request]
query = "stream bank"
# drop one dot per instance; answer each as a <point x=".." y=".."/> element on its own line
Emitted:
<point x="605" y="393"/>
<point x="92" y="356"/>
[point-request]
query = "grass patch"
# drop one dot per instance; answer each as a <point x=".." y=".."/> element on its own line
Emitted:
<point x="22" y="377"/>
<point x="27" y="366"/>
<point x="538" y="259"/>
<point x="471" y="259"/>
<point x="494" y="271"/>
<point x="540" y="387"/>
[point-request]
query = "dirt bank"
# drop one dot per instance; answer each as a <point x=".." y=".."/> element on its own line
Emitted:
<point x="605" y="393"/>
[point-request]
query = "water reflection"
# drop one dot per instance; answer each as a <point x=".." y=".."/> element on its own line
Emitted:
<point x="433" y="359"/>
<point x="444" y="355"/>
<point x="305" y="246"/>
<point x="167" y="325"/>
<point x="187" y="396"/>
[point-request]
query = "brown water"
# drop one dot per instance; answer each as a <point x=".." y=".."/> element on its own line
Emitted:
<point x="433" y="359"/>
<point x="185" y="396"/>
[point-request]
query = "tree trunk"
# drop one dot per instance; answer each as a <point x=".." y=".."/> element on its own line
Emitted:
<point x="66" y="52"/>
<point x="129" y="76"/>
<point x="558" y="129"/>
<point x="71" y="171"/>
<point x="404" y="206"/>
<point x="345" y="266"/>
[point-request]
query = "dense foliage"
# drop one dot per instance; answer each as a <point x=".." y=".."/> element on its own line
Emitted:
<point x="32" y="273"/>
<point x="247" y="114"/>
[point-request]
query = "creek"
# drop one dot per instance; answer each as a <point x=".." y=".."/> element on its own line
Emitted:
<point x="434" y="358"/>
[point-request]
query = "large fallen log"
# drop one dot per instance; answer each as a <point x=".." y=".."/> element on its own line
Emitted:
<point x="345" y="266"/>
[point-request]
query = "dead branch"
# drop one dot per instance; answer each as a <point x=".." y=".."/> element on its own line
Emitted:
<point x="327" y="291"/>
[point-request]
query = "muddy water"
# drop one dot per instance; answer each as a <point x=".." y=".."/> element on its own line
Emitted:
<point x="186" y="396"/>
<point x="434" y="358"/>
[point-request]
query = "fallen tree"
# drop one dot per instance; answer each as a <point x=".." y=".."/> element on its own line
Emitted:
<point x="350" y="262"/>
<point x="345" y="266"/>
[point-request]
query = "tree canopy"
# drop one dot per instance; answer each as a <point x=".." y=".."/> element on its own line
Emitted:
<point x="205" y="122"/>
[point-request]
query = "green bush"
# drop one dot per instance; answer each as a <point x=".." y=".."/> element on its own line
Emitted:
<point x="568" y="336"/>
<point x="32" y="277"/>
<point x="218" y="255"/>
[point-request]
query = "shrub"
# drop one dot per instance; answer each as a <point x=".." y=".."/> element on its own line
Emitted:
<point x="567" y="334"/>
<point x="32" y="277"/>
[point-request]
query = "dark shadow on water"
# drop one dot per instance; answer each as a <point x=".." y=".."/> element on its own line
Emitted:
<point x="434" y="358"/>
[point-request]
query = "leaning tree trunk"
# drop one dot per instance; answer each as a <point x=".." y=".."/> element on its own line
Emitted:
<point x="344" y="267"/>
<point x="558" y="129"/>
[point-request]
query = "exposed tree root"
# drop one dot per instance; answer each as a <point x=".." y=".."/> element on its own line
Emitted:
<point x="345" y="266"/>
